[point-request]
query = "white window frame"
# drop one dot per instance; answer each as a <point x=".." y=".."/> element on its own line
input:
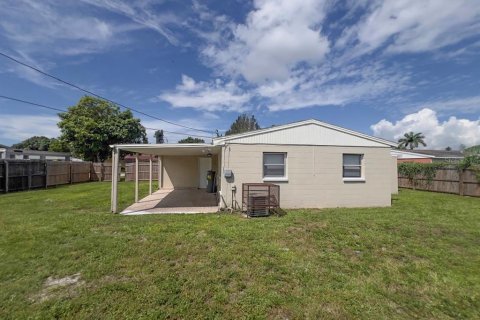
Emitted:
<point x="361" y="165"/>
<point x="275" y="178"/>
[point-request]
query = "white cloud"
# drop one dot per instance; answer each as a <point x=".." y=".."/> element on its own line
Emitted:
<point x="288" y="62"/>
<point x="142" y="13"/>
<point x="29" y="74"/>
<point x="15" y="128"/>
<point x="208" y="25"/>
<point x="333" y="86"/>
<point x="43" y="26"/>
<point x="207" y="96"/>
<point x="276" y="37"/>
<point x="281" y="52"/>
<point x="415" y="26"/>
<point x="438" y="135"/>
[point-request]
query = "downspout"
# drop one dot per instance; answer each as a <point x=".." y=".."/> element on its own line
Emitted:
<point x="223" y="186"/>
<point x="231" y="207"/>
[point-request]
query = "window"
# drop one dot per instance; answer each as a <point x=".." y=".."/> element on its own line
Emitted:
<point x="274" y="165"/>
<point x="352" y="165"/>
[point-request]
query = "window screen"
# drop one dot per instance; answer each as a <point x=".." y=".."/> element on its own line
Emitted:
<point x="274" y="164"/>
<point x="352" y="165"/>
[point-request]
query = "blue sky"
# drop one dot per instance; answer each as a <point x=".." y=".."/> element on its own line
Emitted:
<point x="379" y="67"/>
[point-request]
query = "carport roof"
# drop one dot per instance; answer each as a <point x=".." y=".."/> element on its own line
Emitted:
<point x="180" y="149"/>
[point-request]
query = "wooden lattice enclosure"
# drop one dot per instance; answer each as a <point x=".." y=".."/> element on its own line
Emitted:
<point x="258" y="199"/>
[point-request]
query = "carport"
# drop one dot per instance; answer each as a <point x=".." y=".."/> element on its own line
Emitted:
<point x="182" y="178"/>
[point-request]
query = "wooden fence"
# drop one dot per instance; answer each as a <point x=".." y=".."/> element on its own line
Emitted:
<point x="17" y="175"/>
<point x="21" y="175"/>
<point x="101" y="172"/>
<point x="447" y="180"/>
<point x="143" y="171"/>
<point x="64" y="172"/>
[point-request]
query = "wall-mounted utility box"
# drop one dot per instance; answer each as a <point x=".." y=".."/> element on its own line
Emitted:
<point x="228" y="174"/>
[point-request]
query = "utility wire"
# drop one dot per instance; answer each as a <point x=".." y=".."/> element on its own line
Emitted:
<point x="180" y="133"/>
<point x="61" y="110"/>
<point x="96" y="95"/>
<point x="32" y="103"/>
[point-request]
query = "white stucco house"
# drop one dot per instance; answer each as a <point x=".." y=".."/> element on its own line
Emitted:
<point x="316" y="165"/>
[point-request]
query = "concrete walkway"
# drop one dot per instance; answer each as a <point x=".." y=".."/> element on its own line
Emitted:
<point x="175" y="201"/>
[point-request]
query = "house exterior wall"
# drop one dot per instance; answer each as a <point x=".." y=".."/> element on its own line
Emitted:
<point x="215" y="163"/>
<point x="180" y="172"/>
<point x="314" y="175"/>
<point x="394" y="175"/>
<point x="183" y="171"/>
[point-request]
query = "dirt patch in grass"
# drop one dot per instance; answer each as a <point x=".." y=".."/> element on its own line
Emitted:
<point x="280" y="313"/>
<point x="65" y="287"/>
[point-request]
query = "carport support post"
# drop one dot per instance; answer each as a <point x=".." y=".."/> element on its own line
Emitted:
<point x="136" y="177"/>
<point x="114" y="179"/>
<point x="159" y="171"/>
<point x="150" y="176"/>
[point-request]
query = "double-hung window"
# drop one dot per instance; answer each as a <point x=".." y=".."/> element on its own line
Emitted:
<point x="274" y="165"/>
<point x="352" y="165"/>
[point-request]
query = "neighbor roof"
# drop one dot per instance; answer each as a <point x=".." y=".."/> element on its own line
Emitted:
<point x="221" y="140"/>
<point x="402" y="154"/>
<point x="442" y="153"/>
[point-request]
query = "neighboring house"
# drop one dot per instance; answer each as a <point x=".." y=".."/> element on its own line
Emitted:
<point x="316" y="165"/>
<point x="442" y="155"/>
<point x="24" y="154"/>
<point x="3" y="152"/>
<point x="406" y="156"/>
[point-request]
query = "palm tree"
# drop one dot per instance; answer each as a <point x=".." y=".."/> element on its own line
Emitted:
<point x="411" y="140"/>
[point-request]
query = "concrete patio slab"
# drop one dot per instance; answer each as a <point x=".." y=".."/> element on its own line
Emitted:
<point x="186" y="201"/>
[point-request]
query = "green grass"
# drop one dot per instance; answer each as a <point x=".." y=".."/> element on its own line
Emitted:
<point x="417" y="259"/>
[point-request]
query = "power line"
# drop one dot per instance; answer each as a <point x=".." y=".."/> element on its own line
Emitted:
<point x="61" y="110"/>
<point x="32" y="103"/>
<point x="98" y="96"/>
<point x="180" y="133"/>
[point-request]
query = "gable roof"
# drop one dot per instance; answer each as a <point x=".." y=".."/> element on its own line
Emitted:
<point x="307" y="132"/>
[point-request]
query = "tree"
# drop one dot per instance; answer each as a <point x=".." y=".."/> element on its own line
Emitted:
<point x="159" y="137"/>
<point x="474" y="150"/>
<point x="244" y="123"/>
<point x="191" y="140"/>
<point x="58" y="145"/>
<point x="448" y="148"/>
<point x="411" y="140"/>
<point x="91" y="126"/>
<point x="40" y="143"/>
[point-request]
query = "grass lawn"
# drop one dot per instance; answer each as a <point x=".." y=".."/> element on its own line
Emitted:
<point x="62" y="255"/>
